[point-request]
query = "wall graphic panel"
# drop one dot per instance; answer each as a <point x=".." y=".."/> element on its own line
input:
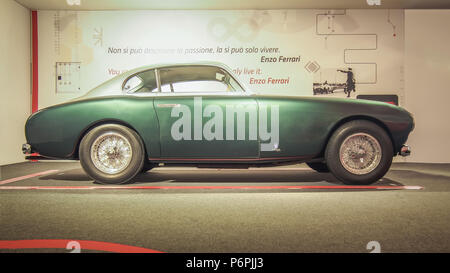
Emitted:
<point x="339" y="53"/>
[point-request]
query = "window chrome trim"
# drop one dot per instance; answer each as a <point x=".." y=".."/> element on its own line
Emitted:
<point x="137" y="87"/>
<point x="243" y="91"/>
<point x="131" y="76"/>
<point x="158" y="80"/>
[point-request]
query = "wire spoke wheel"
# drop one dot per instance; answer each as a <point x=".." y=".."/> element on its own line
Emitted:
<point x="111" y="153"/>
<point x="360" y="153"/>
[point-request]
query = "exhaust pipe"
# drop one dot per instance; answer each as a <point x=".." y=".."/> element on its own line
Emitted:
<point x="26" y="148"/>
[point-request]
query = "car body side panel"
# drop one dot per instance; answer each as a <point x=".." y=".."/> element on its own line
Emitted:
<point x="307" y="123"/>
<point x="55" y="131"/>
<point x="198" y="146"/>
<point x="303" y="127"/>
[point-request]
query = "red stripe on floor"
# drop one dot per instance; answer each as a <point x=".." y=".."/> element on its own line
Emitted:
<point x="206" y="187"/>
<point x="90" y="245"/>
<point x="2" y="182"/>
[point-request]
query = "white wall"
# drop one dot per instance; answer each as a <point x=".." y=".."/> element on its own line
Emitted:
<point x="14" y="78"/>
<point x="363" y="38"/>
<point x="427" y="83"/>
<point x="426" y="80"/>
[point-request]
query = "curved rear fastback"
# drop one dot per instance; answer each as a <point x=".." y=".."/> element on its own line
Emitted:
<point x="56" y="131"/>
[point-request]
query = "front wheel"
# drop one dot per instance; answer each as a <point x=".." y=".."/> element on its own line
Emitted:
<point x="359" y="153"/>
<point x="112" y="154"/>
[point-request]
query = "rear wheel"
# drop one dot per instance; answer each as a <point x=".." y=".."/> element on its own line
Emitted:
<point x="359" y="153"/>
<point x="112" y="154"/>
<point x="318" y="167"/>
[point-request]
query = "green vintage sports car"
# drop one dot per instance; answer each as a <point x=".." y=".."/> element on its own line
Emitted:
<point x="199" y="114"/>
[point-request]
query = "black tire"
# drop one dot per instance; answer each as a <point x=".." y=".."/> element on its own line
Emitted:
<point x="368" y="131"/>
<point x="318" y="167"/>
<point x="136" y="161"/>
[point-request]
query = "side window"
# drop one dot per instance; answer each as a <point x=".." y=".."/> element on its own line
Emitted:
<point x="132" y="83"/>
<point x="143" y="82"/>
<point x="197" y="79"/>
<point x="195" y="86"/>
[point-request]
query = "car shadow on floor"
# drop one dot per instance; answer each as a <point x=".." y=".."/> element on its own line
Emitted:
<point x="211" y="176"/>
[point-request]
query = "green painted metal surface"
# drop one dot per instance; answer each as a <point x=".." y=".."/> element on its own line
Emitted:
<point x="304" y="125"/>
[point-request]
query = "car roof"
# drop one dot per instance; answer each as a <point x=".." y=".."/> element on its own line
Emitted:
<point x="114" y="85"/>
<point x="163" y="65"/>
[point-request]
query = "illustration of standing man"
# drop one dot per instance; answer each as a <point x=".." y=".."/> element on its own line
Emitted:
<point x="350" y="81"/>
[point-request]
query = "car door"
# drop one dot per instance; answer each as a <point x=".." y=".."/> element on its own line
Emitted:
<point x="194" y="124"/>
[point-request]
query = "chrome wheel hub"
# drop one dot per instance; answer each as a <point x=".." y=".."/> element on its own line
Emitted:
<point x="360" y="153"/>
<point x="111" y="153"/>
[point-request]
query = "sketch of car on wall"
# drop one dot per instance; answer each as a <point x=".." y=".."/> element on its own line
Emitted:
<point x="199" y="114"/>
<point x="328" y="88"/>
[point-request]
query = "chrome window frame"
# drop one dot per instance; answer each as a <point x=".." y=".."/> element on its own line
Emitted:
<point x="243" y="90"/>
<point x="136" y="74"/>
<point x="132" y="90"/>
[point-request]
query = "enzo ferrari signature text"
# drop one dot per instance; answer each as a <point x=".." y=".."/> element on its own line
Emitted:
<point x="213" y="129"/>
<point x="269" y="80"/>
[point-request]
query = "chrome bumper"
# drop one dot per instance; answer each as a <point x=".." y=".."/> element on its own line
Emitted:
<point x="405" y="150"/>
